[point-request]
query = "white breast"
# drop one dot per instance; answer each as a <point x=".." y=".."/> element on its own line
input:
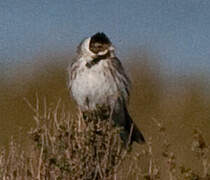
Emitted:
<point x="94" y="85"/>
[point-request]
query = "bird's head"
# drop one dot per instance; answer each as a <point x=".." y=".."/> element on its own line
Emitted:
<point x="96" y="46"/>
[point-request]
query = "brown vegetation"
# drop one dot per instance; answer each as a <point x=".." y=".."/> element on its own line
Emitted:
<point x="172" y="116"/>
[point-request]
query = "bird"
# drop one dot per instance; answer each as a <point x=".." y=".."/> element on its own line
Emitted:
<point x="98" y="79"/>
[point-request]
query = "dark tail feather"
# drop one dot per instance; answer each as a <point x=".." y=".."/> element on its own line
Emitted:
<point x="131" y="126"/>
<point x="137" y="135"/>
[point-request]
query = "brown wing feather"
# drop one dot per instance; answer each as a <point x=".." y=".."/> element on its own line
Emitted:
<point x="120" y="76"/>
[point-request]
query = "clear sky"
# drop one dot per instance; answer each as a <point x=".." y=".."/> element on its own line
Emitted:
<point x="177" y="30"/>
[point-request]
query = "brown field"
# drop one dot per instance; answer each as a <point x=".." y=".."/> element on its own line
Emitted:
<point x="180" y="105"/>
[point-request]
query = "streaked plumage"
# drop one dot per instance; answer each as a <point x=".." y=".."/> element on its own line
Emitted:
<point x="97" y="78"/>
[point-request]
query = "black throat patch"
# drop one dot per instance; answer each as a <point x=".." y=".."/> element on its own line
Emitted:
<point x="97" y="60"/>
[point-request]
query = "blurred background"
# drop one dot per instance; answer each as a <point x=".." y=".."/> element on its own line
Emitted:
<point x="164" y="46"/>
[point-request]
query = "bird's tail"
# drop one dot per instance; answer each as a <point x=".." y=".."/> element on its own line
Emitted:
<point x="131" y="128"/>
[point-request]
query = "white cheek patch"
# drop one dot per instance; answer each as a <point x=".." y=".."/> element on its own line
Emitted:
<point x="103" y="52"/>
<point x="85" y="48"/>
<point x="86" y="44"/>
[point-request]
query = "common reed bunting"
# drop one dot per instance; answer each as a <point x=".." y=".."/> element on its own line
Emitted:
<point x="97" y="79"/>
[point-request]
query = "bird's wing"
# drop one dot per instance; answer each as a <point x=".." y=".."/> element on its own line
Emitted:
<point x="119" y="74"/>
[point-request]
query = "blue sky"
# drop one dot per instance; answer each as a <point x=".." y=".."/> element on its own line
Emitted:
<point x="178" y="31"/>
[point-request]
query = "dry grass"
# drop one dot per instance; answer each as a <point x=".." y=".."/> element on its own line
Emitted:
<point x="173" y="116"/>
<point x="64" y="147"/>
